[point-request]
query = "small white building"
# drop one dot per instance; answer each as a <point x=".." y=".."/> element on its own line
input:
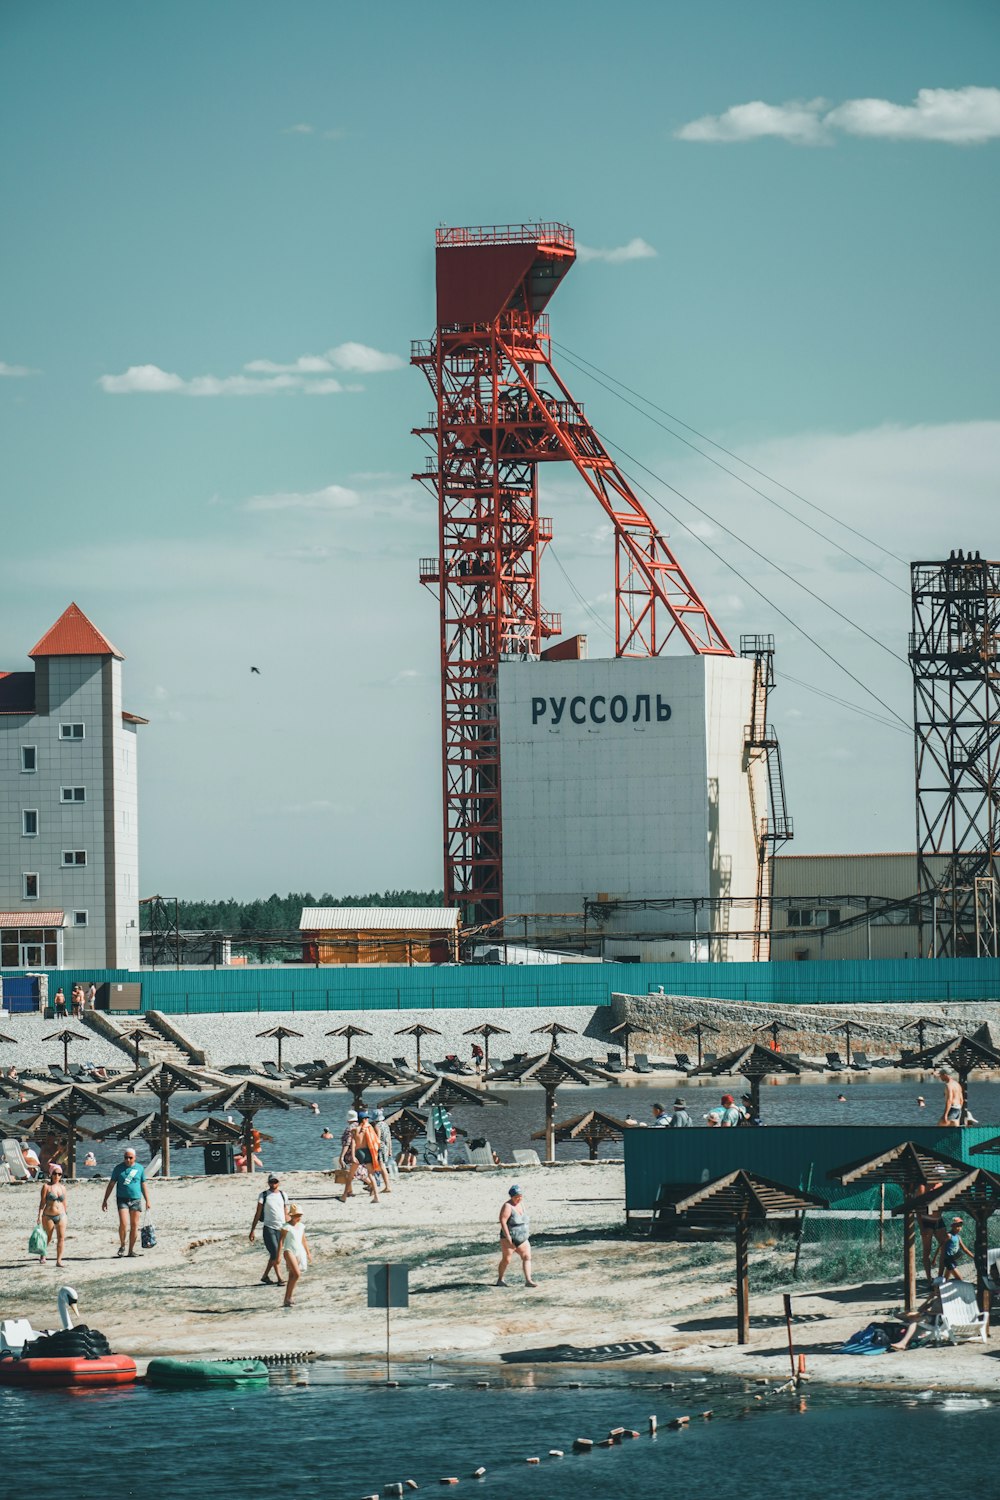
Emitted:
<point x="69" y="846"/>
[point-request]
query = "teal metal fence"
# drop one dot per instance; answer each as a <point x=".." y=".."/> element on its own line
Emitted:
<point x="181" y="991"/>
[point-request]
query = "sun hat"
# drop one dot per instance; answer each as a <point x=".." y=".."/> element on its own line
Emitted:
<point x="727" y="1100"/>
<point x="514" y="1191"/>
<point x="294" y="1211"/>
<point x="352" y="1114"/>
<point x="378" y="1114"/>
<point x="679" y="1104"/>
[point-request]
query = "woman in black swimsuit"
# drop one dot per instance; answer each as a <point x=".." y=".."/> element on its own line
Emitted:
<point x="932" y="1231"/>
<point x="52" y="1210"/>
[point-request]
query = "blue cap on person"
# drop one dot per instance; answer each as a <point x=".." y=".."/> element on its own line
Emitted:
<point x="362" y="1113"/>
<point x="515" y="1190"/>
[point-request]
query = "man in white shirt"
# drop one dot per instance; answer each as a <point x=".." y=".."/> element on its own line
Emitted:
<point x="272" y="1214"/>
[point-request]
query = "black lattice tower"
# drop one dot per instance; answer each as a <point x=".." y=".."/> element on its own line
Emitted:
<point x="955" y="658"/>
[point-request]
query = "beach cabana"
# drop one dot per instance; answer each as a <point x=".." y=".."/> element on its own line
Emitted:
<point x="592" y="1127"/>
<point x="743" y="1198"/>
<point x="910" y="1167"/>
<point x="976" y="1194"/>
<point x="753" y="1063"/>
<point x="246" y="1101"/>
<point x="352" y="1073"/>
<point x="61" y="1112"/>
<point x="442" y="1090"/>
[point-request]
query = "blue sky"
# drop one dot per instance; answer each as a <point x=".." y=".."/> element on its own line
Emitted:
<point x="198" y="194"/>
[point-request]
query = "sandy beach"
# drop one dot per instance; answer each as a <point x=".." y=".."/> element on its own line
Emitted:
<point x="199" y="1293"/>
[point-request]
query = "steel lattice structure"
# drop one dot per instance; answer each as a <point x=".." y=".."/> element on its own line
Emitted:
<point x="955" y="657"/>
<point x="501" y="411"/>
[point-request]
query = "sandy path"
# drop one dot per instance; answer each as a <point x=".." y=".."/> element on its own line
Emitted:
<point x="198" y="1292"/>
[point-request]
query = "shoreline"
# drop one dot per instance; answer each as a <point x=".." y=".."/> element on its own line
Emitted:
<point x="197" y="1294"/>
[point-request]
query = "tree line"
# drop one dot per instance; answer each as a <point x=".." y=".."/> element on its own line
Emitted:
<point x="280" y="913"/>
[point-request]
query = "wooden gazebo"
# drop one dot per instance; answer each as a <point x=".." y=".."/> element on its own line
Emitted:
<point x="753" y="1063"/>
<point x="551" y="1070"/>
<point x="978" y="1195"/>
<point x="592" y="1127"/>
<point x="418" y="1031"/>
<point x="280" y="1034"/>
<point x="744" y="1198"/>
<point x="910" y="1167"/>
<point x="246" y="1100"/>
<point x="963" y="1054"/>
<point x="352" y="1073"/>
<point x="62" y="1111"/>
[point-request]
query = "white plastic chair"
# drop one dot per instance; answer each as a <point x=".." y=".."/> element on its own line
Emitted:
<point x="959" y="1317"/>
<point x="16" y="1163"/>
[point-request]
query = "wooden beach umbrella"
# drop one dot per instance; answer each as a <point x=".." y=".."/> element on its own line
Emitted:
<point x="910" y="1167"/>
<point x="978" y="1195"/>
<point x="279" y="1033"/>
<point x="920" y="1026"/>
<point x="551" y="1070"/>
<point x="963" y="1054"/>
<point x="135" y="1035"/>
<point x="700" y="1029"/>
<point x="66" y="1107"/>
<point x="356" y="1074"/>
<point x="150" y="1128"/>
<point x="445" y="1091"/>
<point x="246" y="1100"/>
<point x="849" y="1029"/>
<point x="775" y="1028"/>
<point x="350" y="1031"/>
<point x="554" y="1029"/>
<point x="593" y="1128"/>
<point x="745" y="1198"/>
<point x="66" y="1036"/>
<point x="405" y="1125"/>
<point x="165" y="1079"/>
<point x="487" y="1030"/>
<point x="418" y="1031"/>
<point x="754" y="1063"/>
<point x="627" y="1030"/>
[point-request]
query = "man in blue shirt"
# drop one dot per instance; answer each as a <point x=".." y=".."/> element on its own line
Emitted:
<point x="129" y="1182"/>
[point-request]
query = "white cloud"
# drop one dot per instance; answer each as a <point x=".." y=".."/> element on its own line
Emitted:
<point x="15" y="372"/>
<point x="309" y="375"/>
<point x="331" y="497"/>
<point x="961" y="117"/>
<point x="301" y="129"/>
<point x="304" y="128"/>
<point x="636" y="249"/>
<point x="307" y="554"/>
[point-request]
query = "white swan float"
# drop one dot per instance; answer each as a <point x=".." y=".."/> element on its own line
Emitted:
<point x="15" y="1333"/>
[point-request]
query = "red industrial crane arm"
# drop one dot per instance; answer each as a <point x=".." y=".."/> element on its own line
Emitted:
<point x="648" y="573"/>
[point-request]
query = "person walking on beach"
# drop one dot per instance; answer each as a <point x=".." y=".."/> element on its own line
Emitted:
<point x="52" y="1211"/>
<point x="951" y="1248"/>
<point x="271" y="1214"/>
<point x="294" y="1247"/>
<point x="384" y="1147"/>
<point x="128" y="1179"/>
<point x="951" y="1110"/>
<point x="514" y="1227"/>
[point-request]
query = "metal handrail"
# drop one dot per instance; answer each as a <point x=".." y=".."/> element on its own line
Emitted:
<point x="504" y="234"/>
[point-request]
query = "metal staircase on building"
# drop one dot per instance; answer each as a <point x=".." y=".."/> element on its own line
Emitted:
<point x="772" y="825"/>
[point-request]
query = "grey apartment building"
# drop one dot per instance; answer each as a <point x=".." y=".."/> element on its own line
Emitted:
<point x="69" y="867"/>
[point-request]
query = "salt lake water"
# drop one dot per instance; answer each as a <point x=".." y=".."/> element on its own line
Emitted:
<point x="321" y="1431"/>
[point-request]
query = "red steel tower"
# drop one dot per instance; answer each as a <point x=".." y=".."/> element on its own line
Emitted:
<point x="501" y="410"/>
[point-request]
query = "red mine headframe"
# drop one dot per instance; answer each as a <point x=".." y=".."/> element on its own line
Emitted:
<point x="501" y="411"/>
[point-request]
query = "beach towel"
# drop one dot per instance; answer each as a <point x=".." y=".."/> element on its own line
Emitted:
<point x="871" y="1340"/>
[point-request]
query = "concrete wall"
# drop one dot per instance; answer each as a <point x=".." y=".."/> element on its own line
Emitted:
<point x="625" y="779"/>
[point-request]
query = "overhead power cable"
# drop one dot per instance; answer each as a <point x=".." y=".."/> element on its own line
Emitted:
<point x="752" y="586"/>
<point x="602" y="624"/>
<point x="586" y="367"/>
<point x="867" y="713"/>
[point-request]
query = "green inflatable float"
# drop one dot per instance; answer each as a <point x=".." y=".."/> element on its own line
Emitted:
<point x="206" y="1372"/>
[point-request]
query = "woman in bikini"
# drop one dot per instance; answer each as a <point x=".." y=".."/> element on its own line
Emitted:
<point x="52" y="1210"/>
<point x="932" y="1231"/>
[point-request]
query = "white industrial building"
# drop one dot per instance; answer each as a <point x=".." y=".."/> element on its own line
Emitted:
<point x="629" y="778"/>
<point x="69" y="865"/>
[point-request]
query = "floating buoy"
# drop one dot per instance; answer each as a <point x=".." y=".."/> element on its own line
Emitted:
<point x="482" y="1385"/>
<point x="411" y="1484"/>
<point x="582" y="1445"/>
<point x="478" y="1473"/>
<point x="652" y="1426"/>
<point x="617" y="1433"/>
<point x="606" y="1443"/>
<point x="802" y="1364"/>
<point x="532" y="1460"/>
<point x="392" y="1489"/>
<point x="630" y="1432"/>
<point x="555" y="1453"/>
<point x="678" y="1421"/>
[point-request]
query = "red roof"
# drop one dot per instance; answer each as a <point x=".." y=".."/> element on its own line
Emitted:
<point x="74" y="635"/>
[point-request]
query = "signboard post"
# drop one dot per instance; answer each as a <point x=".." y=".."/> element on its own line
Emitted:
<point x="388" y="1286"/>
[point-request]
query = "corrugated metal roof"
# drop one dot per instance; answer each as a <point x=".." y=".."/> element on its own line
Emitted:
<point x="378" y="918"/>
<point x="74" y="635"/>
<point x="32" y="918"/>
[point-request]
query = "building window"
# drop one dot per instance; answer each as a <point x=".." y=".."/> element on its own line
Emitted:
<point x="29" y="947"/>
<point x="71" y="731"/>
<point x="74" y="856"/>
<point x="807" y="916"/>
<point x="29" y="758"/>
<point x="72" y="794"/>
<point x="29" y="889"/>
<point x="29" y="822"/>
<point x="79" y="919"/>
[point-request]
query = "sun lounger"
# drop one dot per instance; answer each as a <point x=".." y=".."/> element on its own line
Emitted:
<point x="835" y="1062"/>
<point x="481" y="1154"/>
<point x="273" y="1071"/>
<point x="709" y="1060"/>
<point x="861" y="1063"/>
<point x="56" y="1072"/>
<point x="614" y="1063"/>
<point x="155" y="1166"/>
<point x="526" y="1158"/>
<point x="959" y="1316"/>
<point x="640" y="1062"/>
<point x="683" y="1061"/>
<point x="16" y="1164"/>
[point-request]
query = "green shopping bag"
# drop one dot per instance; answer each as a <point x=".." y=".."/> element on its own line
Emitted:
<point x="38" y="1241"/>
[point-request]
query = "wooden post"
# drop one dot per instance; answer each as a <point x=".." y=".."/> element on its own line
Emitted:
<point x="71" y="1146"/>
<point x="248" y="1141"/>
<point x="164" y="1134"/>
<point x="910" y="1261"/>
<point x="550" y="1131"/>
<point x="742" y="1279"/>
<point x="981" y="1247"/>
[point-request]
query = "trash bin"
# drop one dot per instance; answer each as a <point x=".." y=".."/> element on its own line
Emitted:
<point x="219" y="1159"/>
